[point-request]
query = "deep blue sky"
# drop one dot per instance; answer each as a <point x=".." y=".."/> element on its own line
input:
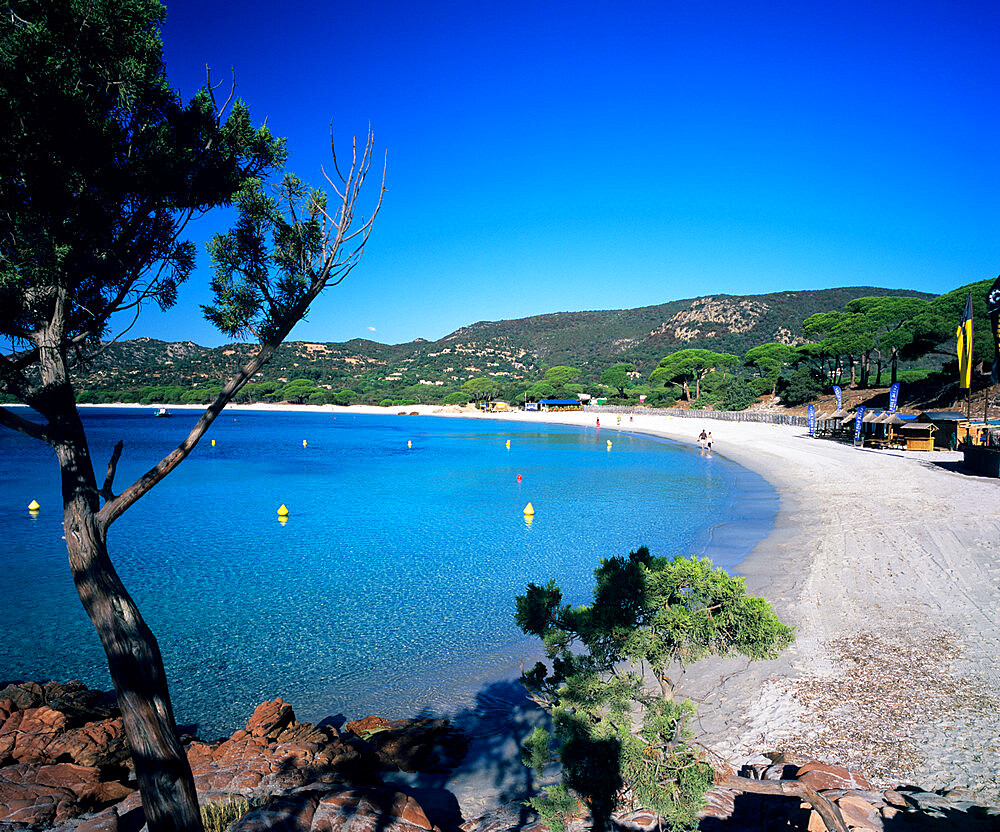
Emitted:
<point x="550" y="157"/>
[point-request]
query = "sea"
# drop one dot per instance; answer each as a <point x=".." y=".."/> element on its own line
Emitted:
<point x="390" y="586"/>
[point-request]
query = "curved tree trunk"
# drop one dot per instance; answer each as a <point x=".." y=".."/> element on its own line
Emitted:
<point x="140" y="682"/>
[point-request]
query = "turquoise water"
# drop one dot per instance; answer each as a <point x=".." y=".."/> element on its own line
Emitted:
<point x="391" y="587"/>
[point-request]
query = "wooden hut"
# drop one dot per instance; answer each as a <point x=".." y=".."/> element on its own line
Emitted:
<point x="919" y="435"/>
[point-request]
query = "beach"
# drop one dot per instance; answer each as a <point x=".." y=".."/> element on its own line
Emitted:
<point x="888" y="565"/>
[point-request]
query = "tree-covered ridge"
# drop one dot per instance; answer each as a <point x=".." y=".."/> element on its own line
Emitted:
<point x="515" y="352"/>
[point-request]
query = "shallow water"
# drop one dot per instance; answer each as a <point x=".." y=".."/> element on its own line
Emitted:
<point x="391" y="587"/>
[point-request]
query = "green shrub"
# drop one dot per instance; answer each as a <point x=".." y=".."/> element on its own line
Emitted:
<point x="613" y="735"/>
<point x="739" y="396"/>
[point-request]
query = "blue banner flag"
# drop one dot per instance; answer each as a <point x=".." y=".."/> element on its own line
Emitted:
<point x="993" y="309"/>
<point x="812" y="420"/>
<point x="893" y="397"/>
<point x="859" y="415"/>
<point x="840" y="397"/>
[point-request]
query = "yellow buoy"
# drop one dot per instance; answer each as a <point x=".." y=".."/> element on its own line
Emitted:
<point x="282" y="512"/>
<point x="33" y="505"/>
<point x="609" y="444"/>
<point x="213" y="443"/>
<point x="508" y="444"/>
<point x="304" y="443"/>
<point x="529" y="509"/>
<point x="409" y="443"/>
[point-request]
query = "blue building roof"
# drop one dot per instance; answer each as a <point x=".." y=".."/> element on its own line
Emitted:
<point x="560" y="402"/>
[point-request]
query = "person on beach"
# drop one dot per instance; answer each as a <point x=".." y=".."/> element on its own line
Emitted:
<point x="598" y="421"/>
<point x="708" y="441"/>
<point x="702" y="439"/>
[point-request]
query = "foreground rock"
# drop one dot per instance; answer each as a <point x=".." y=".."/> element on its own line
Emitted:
<point x="62" y="753"/>
<point x="64" y="764"/>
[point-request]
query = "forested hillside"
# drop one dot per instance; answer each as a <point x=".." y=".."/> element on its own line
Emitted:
<point x="514" y="352"/>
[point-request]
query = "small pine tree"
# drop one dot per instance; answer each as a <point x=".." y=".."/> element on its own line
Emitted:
<point x="619" y="744"/>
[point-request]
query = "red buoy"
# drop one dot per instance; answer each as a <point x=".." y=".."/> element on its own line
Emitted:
<point x="518" y="477"/>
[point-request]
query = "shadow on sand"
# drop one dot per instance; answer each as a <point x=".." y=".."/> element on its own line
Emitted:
<point x="491" y="772"/>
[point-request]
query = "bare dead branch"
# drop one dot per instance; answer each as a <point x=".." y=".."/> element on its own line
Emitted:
<point x="333" y="152"/>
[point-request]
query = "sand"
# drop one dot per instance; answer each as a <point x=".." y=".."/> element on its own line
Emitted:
<point x="888" y="565"/>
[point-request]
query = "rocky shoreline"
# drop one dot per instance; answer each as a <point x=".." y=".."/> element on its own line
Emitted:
<point x="64" y="765"/>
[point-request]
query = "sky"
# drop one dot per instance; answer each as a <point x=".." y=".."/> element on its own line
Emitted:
<point x="551" y="157"/>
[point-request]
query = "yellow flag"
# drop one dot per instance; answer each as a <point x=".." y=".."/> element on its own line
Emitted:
<point x="964" y="335"/>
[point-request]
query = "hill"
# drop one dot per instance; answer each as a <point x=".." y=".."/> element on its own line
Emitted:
<point x="511" y="350"/>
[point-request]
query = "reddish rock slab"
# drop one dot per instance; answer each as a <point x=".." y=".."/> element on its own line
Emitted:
<point x="370" y="810"/>
<point x="30" y="796"/>
<point x="269" y="719"/>
<point x="273" y="753"/>
<point x="368" y="725"/>
<point x="26" y="734"/>
<point x="720" y="804"/>
<point x="44" y="735"/>
<point x="858" y="812"/>
<point x="101" y="744"/>
<point x="43" y="794"/>
<point x="821" y="776"/>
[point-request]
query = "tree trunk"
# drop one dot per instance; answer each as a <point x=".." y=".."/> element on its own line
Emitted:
<point x="140" y="682"/>
<point x="687" y="391"/>
<point x="666" y="686"/>
<point x="895" y="361"/>
<point x="161" y="766"/>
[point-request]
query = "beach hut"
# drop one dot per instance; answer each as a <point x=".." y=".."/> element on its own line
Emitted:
<point x="919" y="435"/>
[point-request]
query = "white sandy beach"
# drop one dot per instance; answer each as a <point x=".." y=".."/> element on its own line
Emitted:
<point x="888" y="564"/>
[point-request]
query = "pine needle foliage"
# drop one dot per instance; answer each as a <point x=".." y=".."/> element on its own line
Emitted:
<point x="620" y="744"/>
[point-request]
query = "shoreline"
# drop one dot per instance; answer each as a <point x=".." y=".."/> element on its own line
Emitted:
<point x="888" y="564"/>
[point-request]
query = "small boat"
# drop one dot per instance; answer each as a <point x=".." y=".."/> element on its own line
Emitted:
<point x="163" y="412"/>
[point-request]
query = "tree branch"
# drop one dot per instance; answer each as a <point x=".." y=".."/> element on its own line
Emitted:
<point x="826" y="809"/>
<point x="109" y="480"/>
<point x="12" y="420"/>
<point x="115" y="507"/>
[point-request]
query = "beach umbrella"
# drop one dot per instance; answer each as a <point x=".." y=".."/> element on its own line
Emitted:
<point x="895" y="419"/>
<point x="868" y="417"/>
